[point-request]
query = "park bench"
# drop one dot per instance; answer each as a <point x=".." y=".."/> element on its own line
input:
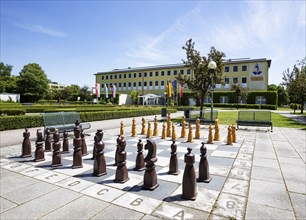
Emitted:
<point x="63" y="121"/>
<point x="254" y="118"/>
<point x="206" y="117"/>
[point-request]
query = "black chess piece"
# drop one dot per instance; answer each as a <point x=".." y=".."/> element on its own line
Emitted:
<point x="140" y="165"/>
<point x="65" y="143"/>
<point x="121" y="171"/>
<point x="48" y="142"/>
<point x="116" y="152"/>
<point x="84" y="145"/>
<point x="189" y="178"/>
<point x="26" y="144"/>
<point x="56" y="154"/>
<point x="99" y="161"/>
<point x="94" y="148"/>
<point x="173" y="165"/>
<point x="39" y="151"/>
<point x="150" y="177"/>
<point x="77" y="150"/>
<point x="203" y="166"/>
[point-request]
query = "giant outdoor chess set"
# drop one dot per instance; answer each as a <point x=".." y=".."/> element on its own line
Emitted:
<point x="222" y="191"/>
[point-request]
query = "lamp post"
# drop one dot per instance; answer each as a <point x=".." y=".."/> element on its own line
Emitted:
<point x="211" y="67"/>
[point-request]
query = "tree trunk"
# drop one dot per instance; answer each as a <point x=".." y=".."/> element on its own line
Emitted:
<point x="302" y="105"/>
<point x="202" y="104"/>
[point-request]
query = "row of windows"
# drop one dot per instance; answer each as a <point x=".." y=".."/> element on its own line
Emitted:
<point x="235" y="80"/>
<point x="244" y="68"/>
<point x="145" y="74"/>
<point x="150" y="83"/>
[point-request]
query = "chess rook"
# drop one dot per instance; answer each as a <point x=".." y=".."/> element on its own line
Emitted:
<point x="26" y="144"/>
<point x="39" y="151"/>
<point x="203" y="166"/>
<point x="189" y="187"/>
<point x="150" y="177"/>
<point x="140" y="165"/>
<point x="99" y="161"/>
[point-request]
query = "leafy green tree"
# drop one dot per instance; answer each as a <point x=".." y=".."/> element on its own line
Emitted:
<point x="85" y="93"/>
<point x="283" y="97"/>
<point x="239" y="93"/>
<point x="272" y="87"/>
<point x="295" y="82"/>
<point x="33" y="83"/>
<point x="201" y="81"/>
<point x="5" y="70"/>
<point x="8" y="83"/>
<point x="134" y="95"/>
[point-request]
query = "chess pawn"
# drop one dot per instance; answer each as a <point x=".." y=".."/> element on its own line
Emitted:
<point x="39" y="152"/>
<point x="121" y="171"/>
<point x="169" y="128"/>
<point x="189" y="177"/>
<point x="203" y="166"/>
<point x="77" y="150"/>
<point x="65" y="143"/>
<point x="99" y="161"/>
<point x="164" y="132"/>
<point x="48" y="141"/>
<point x="121" y="128"/>
<point x="210" y="135"/>
<point x="234" y="133"/>
<point x="190" y="135"/>
<point x="155" y="131"/>
<point x="134" y="132"/>
<point x="150" y="177"/>
<point x="173" y="165"/>
<point x="183" y="120"/>
<point x="56" y="154"/>
<point x="26" y="144"/>
<point x="84" y="145"/>
<point x="183" y="131"/>
<point x="217" y="131"/>
<point x="143" y="130"/>
<point x="149" y="132"/>
<point x="197" y="133"/>
<point x="229" y="135"/>
<point x="139" y="158"/>
<point x="174" y="136"/>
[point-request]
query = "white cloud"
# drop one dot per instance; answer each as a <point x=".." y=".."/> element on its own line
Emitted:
<point x="40" y="29"/>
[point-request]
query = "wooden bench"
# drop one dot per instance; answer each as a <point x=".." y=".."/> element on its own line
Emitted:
<point x="206" y="117"/>
<point x="254" y="118"/>
<point x="63" y="121"/>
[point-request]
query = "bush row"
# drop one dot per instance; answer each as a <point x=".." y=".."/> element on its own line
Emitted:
<point x="12" y="112"/>
<point x="295" y="106"/>
<point x="249" y="106"/>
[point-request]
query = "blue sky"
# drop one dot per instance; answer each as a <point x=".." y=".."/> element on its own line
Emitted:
<point x="72" y="40"/>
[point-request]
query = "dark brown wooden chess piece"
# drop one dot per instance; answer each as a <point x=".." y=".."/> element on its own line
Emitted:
<point x="95" y="142"/>
<point x="26" y="144"/>
<point x="84" y="145"/>
<point x="140" y="165"/>
<point x="121" y="171"/>
<point x="150" y="177"/>
<point x="99" y="161"/>
<point x="39" y="151"/>
<point x="65" y="143"/>
<point x="117" y="149"/>
<point x="77" y="150"/>
<point x="203" y="166"/>
<point x="189" y="178"/>
<point x="48" y="143"/>
<point x="56" y="154"/>
<point x="173" y="165"/>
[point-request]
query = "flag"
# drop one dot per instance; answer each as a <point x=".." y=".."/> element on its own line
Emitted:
<point x="174" y="83"/>
<point x="98" y="90"/>
<point x="169" y="88"/>
<point x="181" y="90"/>
<point x="113" y="89"/>
<point x="106" y="90"/>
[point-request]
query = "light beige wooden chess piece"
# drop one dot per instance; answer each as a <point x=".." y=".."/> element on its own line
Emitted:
<point x="121" y="128"/>
<point x="229" y="135"/>
<point x="210" y="135"/>
<point x="134" y="130"/>
<point x="217" y="131"/>
<point x="190" y="135"/>
<point x="164" y="132"/>
<point x="197" y="132"/>
<point x="174" y="136"/>
<point x="183" y="131"/>
<point x="155" y="131"/>
<point x="169" y="125"/>
<point x="143" y="130"/>
<point x="149" y="133"/>
<point x="234" y="133"/>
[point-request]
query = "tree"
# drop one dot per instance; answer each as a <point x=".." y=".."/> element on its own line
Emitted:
<point x="5" y="70"/>
<point x="283" y="97"/>
<point x="85" y="93"/>
<point x="295" y="82"/>
<point x="201" y="80"/>
<point x="8" y="83"/>
<point x="134" y="95"/>
<point x="239" y="92"/>
<point x="33" y="83"/>
<point x="272" y="87"/>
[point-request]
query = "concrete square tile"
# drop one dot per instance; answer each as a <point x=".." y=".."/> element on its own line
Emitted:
<point x="118" y="212"/>
<point x="102" y="192"/>
<point x="74" y="184"/>
<point x="299" y="201"/>
<point x="6" y="205"/>
<point x="267" y="174"/>
<point x="236" y="187"/>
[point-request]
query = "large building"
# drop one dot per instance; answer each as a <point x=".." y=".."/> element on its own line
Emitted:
<point x="249" y="73"/>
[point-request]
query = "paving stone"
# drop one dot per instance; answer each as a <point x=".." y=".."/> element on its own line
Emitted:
<point x="43" y="205"/>
<point x="74" y="184"/>
<point x="235" y="186"/>
<point x="264" y="162"/>
<point x="81" y="208"/>
<point x="118" y="212"/>
<point x="267" y="174"/>
<point x="256" y="211"/>
<point x="216" y="183"/>
<point x="6" y="205"/>
<point x="242" y="163"/>
<point x="264" y="154"/>
<point x="51" y="177"/>
<point x="270" y="194"/>
<point x="299" y="201"/>
<point x="240" y="173"/>
<point x="149" y="217"/>
<point x="219" y="170"/>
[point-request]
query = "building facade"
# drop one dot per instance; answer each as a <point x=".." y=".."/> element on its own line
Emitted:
<point x="249" y="73"/>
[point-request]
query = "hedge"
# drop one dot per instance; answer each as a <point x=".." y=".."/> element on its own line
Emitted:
<point x="12" y="112"/>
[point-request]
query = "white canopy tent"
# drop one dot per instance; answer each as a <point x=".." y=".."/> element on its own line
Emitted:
<point x="149" y="99"/>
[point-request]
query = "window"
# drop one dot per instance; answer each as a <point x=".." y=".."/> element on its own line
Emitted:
<point x="226" y="69"/>
<point x="150" y="83"/>
<point x="162" y="83"/>
<point x="124" y="76"/>
<point x="175" y="72"/>
<point x="260" y="100"/>
<point x="188" y="71"/>
<point x="156" y="73"/>
<point x="223" y="99"/>
<point x="119" y="85"/>
<point x="124" y="85"/>
<point x="139" y="83"/>
<point x="135" y="75"/>
<point x="156" y="83"/>
<point x="130" y="75"/>
<point x="145" y="74"/>
<point x="106" y="77"/>
<point x="145" y="83"/>
<point x="115" y="76"/>
<point x="119" y="76"/>
<point x="102" y="77"/>
<point x="244" y="80"/>
<point x="111" y="77"/>
<point x="235" y="68"/>
<point x="134" y="84"/>
<point x="139" y="75"/>
<point x="182" y="72"/>
<point x="129" y="84"/>
<point x="151" y="74"/>
<point x="168" y="73"/>
<point x="235" y="80"/>
<point x="226" y="80"/>
<point x="244" y="68"/>
<point x="162" y="73"/>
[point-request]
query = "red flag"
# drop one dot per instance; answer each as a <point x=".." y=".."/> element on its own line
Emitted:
<point x="169" y="89"/>
<point x="181" y="90"/>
